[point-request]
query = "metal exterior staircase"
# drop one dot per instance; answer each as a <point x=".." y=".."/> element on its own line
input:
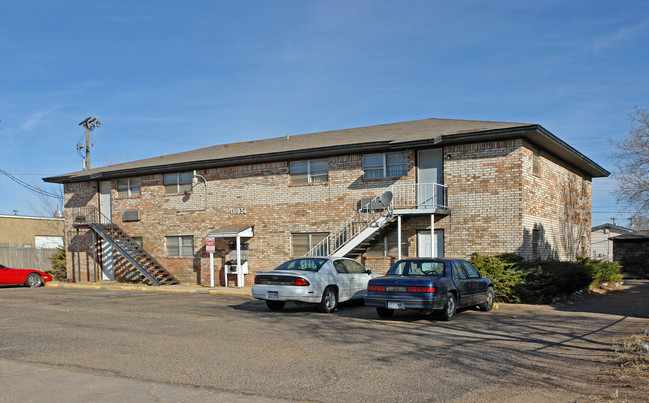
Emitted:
<point x="373" y="218"/>
<point x="352" y="237"/>
<point x="152" y="271"/>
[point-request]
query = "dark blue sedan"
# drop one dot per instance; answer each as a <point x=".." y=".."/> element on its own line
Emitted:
<point x="430" y="284"/>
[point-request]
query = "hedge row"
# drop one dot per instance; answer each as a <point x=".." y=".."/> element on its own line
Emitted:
<point x="540" y="282"/>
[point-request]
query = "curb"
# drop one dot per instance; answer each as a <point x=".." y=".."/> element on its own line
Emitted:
<point x="188" y="289"/>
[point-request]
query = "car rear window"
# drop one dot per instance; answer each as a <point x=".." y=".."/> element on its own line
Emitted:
<point x="417" y="268"/>
<point x="302" y="264"/>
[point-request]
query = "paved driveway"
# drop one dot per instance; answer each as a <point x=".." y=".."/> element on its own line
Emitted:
<point x="231" y="345"/>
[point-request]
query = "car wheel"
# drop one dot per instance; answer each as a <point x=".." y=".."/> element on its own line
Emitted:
<point x="275" y="305"/>
<point x="384" y="312"/>
<point x="34" y="280"/>
<point x="488" y="300"/>
<point x="450" y="306"/>
<point x="329" y="300"/>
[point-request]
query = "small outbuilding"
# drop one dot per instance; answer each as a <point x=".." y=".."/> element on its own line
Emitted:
<point x="632" y="252"/>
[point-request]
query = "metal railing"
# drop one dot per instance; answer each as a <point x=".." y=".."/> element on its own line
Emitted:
<point x="88" y="215"/>
<point x="362" y="219"/>
<point x="419" y="195"/>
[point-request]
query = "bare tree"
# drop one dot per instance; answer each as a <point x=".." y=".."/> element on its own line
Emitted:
<point x="632" y="154"/>
<point x="45" y="203"/>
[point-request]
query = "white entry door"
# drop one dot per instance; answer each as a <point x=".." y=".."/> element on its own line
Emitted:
<point x="430" y="170"/>
<point x="107" y="264"/>
<point x="424" y="245"/>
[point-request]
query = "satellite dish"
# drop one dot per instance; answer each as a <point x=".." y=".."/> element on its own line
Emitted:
<point x="385" y="199"/>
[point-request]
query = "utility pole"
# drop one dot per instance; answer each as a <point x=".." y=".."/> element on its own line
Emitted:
<point x="90" y="124"/>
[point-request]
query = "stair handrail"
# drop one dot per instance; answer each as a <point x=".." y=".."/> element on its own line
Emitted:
<point x="353" y="226"/>
<point x="91" y="216"/>
<point x="88" y="215"/>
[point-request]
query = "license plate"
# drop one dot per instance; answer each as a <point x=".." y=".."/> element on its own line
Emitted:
<point x="272" y="294"/>
<point x="395" y="305"/>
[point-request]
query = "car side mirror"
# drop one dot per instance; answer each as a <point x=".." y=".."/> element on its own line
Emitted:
<point x="368" y="271"/>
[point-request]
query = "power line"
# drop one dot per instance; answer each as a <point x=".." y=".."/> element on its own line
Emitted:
<point x="30" y="187"/>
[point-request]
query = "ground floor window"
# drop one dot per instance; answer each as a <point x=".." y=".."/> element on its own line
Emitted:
<point x="303" y="243"/>
<point x="180" y="245"/>
<point x="389" y="245"/>
<point x="536" y="237"/>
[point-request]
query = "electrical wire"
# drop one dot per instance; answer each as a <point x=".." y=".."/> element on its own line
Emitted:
<point x="30" y="187"/>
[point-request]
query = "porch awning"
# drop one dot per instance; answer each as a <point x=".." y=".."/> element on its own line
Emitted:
<point x="232" y="231"/>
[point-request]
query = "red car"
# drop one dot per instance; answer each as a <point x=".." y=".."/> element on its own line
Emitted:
<point x="31" y="278"/>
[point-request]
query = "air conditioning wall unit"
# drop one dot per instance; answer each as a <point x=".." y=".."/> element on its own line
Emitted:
<point x="131" y="216"/>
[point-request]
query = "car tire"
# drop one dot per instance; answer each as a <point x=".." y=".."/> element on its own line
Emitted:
<point x="384" y="312"/>
<point x="450" y="306"/>
<point x="329" y="300"/>
<point x="275" y="305"/>
<point x="488" y="300"/>
<point x="34" y="280"/>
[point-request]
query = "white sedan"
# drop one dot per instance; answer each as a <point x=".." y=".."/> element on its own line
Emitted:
<point x="318" y="280"/>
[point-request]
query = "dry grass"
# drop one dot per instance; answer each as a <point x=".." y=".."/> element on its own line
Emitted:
<point x="629" y="379"/>
<point x="633" y="355"/>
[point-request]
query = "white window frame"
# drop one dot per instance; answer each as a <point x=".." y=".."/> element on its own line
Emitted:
<point x="384" y="165"/>
<point x="310" y="243"/>
<point x="181" y="187"/>
<point x="311" y="175"/>
<point x="184" y="241"/>
<point x="130" y="187"/>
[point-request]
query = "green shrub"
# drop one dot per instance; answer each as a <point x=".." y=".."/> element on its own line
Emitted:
<point x="58" y="271"/>
<point x="602" y="271"/>
<point x="506" y="276"/>
<point x="541" y="282"/>
<point x="546" y="280"/>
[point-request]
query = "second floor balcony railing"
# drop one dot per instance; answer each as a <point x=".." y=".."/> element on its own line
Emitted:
<point x="424" y="196"/>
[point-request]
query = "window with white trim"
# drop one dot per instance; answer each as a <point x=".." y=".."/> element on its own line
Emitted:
<point x="311" y="171"/>
<point x="180" y="245"/>
<point x="386" y="165"/>
<point x="303" y="243"/>
<point x="129" y="187"/>
<point x="178" y="183"/>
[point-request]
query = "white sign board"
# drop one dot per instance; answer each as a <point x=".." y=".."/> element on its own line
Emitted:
<point x="209" y="245"/>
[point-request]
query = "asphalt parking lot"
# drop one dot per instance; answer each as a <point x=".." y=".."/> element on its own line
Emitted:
<point x="225" y="347"/>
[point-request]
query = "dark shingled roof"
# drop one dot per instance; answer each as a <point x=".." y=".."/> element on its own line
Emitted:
<point x="633" y="236"/>
<point x="413" y="134"/>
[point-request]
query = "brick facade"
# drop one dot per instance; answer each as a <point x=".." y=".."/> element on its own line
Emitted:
<point x="495" y="202"/>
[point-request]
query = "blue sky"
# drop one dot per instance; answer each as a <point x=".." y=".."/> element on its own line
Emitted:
<point x="170" y="76"/>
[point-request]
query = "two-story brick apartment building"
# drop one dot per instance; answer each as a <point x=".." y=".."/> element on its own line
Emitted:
<point x="487" y="187"/>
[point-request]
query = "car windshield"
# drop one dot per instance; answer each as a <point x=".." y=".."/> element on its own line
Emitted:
<point x="302" y="264"/>
<point x="417" y="268"/>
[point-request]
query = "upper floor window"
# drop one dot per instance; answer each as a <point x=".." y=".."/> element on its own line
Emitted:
<point x="180" y="245"/>
<point x="387" y="165"/>
<point x="178" y="183"/>
<point x="311" y="171"/>
<point x="129" y="187"/>
<point x="535" y="163"/>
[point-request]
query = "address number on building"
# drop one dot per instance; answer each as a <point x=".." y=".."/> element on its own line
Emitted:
<point x="238" y="211"/>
